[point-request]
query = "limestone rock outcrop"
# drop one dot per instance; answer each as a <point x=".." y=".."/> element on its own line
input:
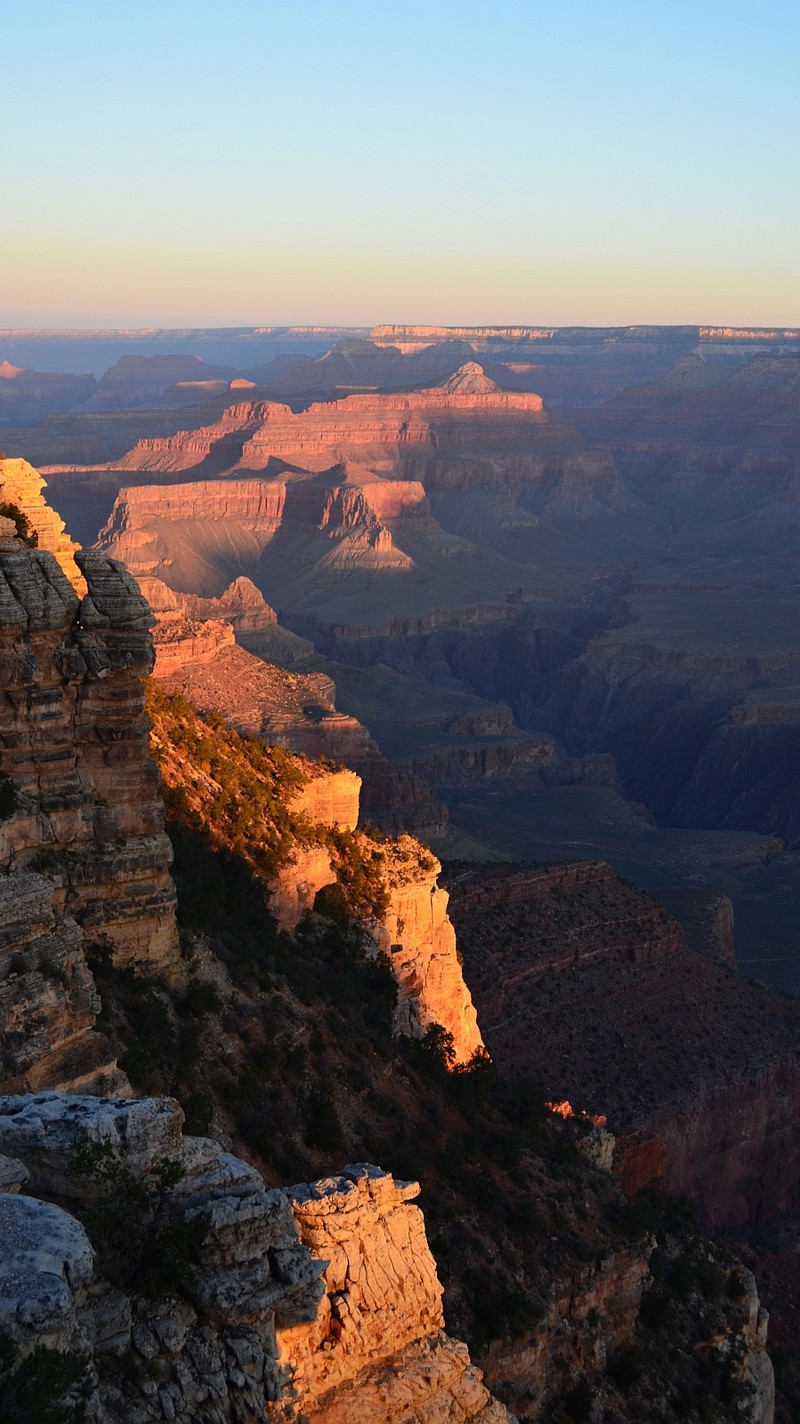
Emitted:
<point x="321" y="1303"/>
<point x="82" y="798"/>
<point x="212" y="1345"/>
<point x="22" y="485"/>
<point x="377" y="1349"/>
<point x="418" y="939"/>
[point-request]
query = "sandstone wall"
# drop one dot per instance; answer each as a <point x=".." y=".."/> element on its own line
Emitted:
<point x="84" y="800"/>
<point x="377" y="1349"/>
<point x="322" y="1303"/>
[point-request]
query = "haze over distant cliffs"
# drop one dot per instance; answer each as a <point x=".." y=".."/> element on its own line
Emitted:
<point x="612" y="580"/>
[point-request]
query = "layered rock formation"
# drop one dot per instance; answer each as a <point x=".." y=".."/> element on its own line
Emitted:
<point x="199" y="656"/>
<point x="22" y="485"/>
<point x="83" y="793"/>
<point x="371" y="424"/>
<point x="377" y="1348"/>
<point x="48" y="1001"/>
<point x="243" y="1335"/>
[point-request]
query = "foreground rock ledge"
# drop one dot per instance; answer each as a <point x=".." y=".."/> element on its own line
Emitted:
<point x="322" y="1300"/>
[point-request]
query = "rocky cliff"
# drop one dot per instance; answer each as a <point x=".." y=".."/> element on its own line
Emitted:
<point x="83" y="854"/>
<point x="200" y="657"/>
<point x="586" y="983"/>
<point x="22" y="485"/>
<point x="240" y="1335"/>
<point x="377" y="1348"/>
<point x="230" y="785"/>
<point x="82" y="790"/>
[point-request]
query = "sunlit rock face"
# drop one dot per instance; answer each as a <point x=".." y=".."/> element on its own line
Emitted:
<point x="22" y="485"/>
<point x="377" y="1349"/>
<point x="419" y="940"/>
<point x="321" y="1301"/>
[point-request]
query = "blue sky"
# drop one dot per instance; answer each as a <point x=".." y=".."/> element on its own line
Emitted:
<point x="183" y="162"/>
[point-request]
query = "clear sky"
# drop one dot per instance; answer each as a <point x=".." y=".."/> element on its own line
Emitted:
<point x="182" y="162"/>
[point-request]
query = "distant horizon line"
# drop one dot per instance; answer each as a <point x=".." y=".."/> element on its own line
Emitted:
<point x="509" y="330"/>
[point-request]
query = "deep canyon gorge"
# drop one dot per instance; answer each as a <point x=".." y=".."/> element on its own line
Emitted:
<point x="475" y="704"/>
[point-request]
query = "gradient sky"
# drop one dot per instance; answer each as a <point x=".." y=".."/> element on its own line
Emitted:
<point x="181" y="162"/>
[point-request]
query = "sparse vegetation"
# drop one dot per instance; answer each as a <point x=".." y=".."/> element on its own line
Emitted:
<point x="19" y="518"/>
<point x="8" y="796"/>
<point x="284" y="1042"/>
<point x="45" y="1387"/>
<point x="157" y="1259"/>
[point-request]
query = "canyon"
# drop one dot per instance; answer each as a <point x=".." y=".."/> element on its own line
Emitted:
<point x="533" y="635"/>
<point x="586" y="569"/>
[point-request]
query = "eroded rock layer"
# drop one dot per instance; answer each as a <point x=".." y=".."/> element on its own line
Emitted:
<point x="377" y="1349"/>
<point x="268" y="1323"/>
<point x="81" y="793"/>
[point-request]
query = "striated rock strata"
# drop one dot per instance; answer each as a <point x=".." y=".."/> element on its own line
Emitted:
<point x="377" y="1349"/>
<point x="253" y="1331"/>
<point x="22" y="485"/>
<point x="83" y="800"/>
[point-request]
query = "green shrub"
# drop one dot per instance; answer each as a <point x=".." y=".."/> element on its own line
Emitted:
<point x="8" y="796"/>
<point x="578" y="1403"/>
<point x="323" y="1128"/>
<point x="47" y="1387"/>
<point x="625" y="1367"/>
<point x="25" y="531"/>
<point x="144" y="1249"/>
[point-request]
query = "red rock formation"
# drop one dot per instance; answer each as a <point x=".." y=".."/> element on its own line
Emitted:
<point x="333" y="431"/>
<point x="585" y="984"/>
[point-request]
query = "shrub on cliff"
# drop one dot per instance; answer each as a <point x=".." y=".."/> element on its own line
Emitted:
<point x="134" y="1209"/>
<point x="46" y="1387"/>
<point x="238" y="789"/>
<point x="25" y="530"/>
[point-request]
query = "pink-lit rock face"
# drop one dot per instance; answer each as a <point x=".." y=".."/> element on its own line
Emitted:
<point x="365" y="425"/>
